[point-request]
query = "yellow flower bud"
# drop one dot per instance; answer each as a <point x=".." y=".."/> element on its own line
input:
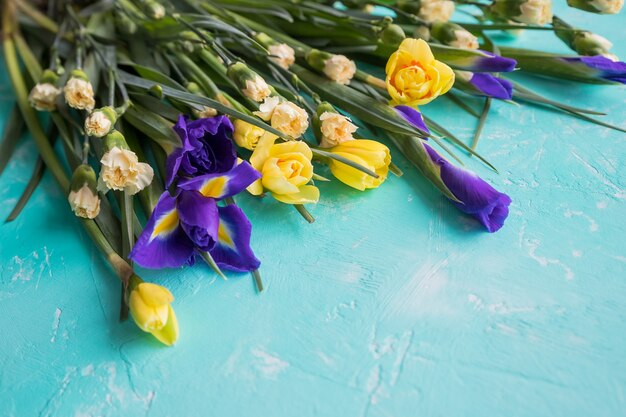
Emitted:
<point x="150" y="307"/>
<point x="414" y="76"/>
<point x="286" y="170"/>
<point x="368" y="153"/>
<point x="247" y="135"/>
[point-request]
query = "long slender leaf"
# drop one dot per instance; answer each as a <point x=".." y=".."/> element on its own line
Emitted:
<point x="34" y="180"/>
<point x="12" y="133"/>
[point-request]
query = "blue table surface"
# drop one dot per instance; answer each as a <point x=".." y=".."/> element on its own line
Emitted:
<point x="391" y="304"/>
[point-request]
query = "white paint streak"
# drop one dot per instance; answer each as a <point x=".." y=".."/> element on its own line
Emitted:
<point x="269" y="365"/>
<point x="55" y="324"/>
<point x="593" y="225"/>
<point x="619" y="192"/>
<point x="533" y="245"/>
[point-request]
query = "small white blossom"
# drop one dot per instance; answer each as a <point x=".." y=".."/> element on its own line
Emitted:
<point x="43" y="96"/>
<point x="122" y="170"/>
<point x="79" y="94"/>
<point x="335" y="128"/>
<point x="464" y="40"/>
<point x="340" y="69"/>
<point x="98" y="124"/>
<point x="436" y="10"/>
<point x="84" y="202"/>
<point x="256" y="89"/>
<point x="283" y="54"/>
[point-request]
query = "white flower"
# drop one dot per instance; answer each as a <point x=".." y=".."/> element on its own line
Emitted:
<point x="607" y="6"/>
<point x="256" y="89"/>
<point x="284" y="55"/>
<point x="98" y="124"/>
<point x="43" y="96"/>
<point x="336" y="129"/>
<point x="289" y="119"/>
<point x="84" y="202"/>
<point x="267" y="108"/>
<point x="600" y="41"/>
<point x="205" y="112"/>
<point x="464" y="39"/>
<point x="79" y="94"/>
<point x="436" y="10"/>
<point x="340" y="69"/>
<point x="122" y="170"/>
<point x="535" y="12"/>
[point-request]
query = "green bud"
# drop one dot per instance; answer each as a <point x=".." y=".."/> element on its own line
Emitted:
<point x="193" y="88"/>
<point x="156" y="91"/>
<point x="409" y="6"/>
<point x="453" y="35"/>
<point x="115" y="139"/>
<point x="49" y="77"/>
<point x="264" y="39"/>
<point x="392" y="35"/>
<point x="317" y="59"/>
<point x="83" y="174"/>
<point x="125" y="24"/>
<point x="154" y="10"/>
<point x="80" y="74"/>
<point x="581" y="41"/>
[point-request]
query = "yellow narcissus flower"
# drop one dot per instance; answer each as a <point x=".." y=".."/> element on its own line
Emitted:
<point x="150" y="307"/>
<point x="414" y="76"/>
<point x="286" y="170"/>
<point x="367" y="153"/>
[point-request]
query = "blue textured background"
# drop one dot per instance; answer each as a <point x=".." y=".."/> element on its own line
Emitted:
<point x="390" y="304"/>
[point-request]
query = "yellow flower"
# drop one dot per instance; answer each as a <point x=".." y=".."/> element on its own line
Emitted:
<point x="414" y="76"/>
<point x="368" y="153"/>
<point x="286" y="170"/>
<point x="247" y="135"/>
<point x="150" y="307"/>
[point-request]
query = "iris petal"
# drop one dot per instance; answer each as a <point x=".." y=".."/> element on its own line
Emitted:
<point x="225" y="185"/>
<point x="163" y="243"/>
<point x="478" y="198"/>
<point x="492" y="86"/>
<point x="413" y="117"/>
<point x="233" y="250"/>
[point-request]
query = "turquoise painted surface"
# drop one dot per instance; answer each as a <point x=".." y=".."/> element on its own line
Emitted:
<point x="391" y="304"/>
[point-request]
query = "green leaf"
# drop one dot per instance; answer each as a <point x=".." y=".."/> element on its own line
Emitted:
<point x="12" y="133"/>
<point x="155" y="127"/>
<point x="481" y="123"/>
<point x="28" y="191"/>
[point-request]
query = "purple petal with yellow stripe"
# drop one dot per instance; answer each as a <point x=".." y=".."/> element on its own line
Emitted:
<point x="225" y="185"/>
<point x="232" y="250"/>
<point x="163" y="242"/>
<point x="199" y="218"/>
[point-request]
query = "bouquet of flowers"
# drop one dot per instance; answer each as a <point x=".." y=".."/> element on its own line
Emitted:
<point x="154" y="116"/>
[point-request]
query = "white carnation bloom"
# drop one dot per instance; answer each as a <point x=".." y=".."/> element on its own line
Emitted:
<point x="122" y="170"/>
<point x="464" y="39"/>
<point x="535" y="12"/>
<point x="283" y="55"/>
<point x="340" y="69"/>
<point x="84" y="202"/>
<point x="289" y="119"/>
<point x="79" y="94"/>
<point x="267" y="108"/>
<point x="98" y="124"/>
<point x="336" y="129"/>
<point x="43" y="96"/>
<point x="256" y="89"/>
<point x="436" y="10"/>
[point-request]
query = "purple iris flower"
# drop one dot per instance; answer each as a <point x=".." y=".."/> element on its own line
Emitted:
<point x="491" y="86"/>
<point x="490" y="63"/>
<point x="192" y="221"/>
<point x="413" y="117"/>
<point x="206" y="148"/>
<point x="206" y="171"/>
<point x="607" y="69"/>
<point x="489" y="206"/>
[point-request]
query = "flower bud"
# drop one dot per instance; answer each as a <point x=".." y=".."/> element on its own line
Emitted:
<point x="100" y="121"/>
<point x="338" y="68"/>
<point x="154" y="9"/>
<point x="252" y="84"/>
<point x="121" y="169"/>
<point x="205" y="113"/>
<point x="79" y="91"/>
<point x="83" y="197"/>
<point x="392" y="35"/>
<point x="532" y="12"/>
<point x="247" y="135"/>
<point x="368" y="153"/>
<point x="151" y="308"/>
<point x="44" y="94"/>
<point x="453" y="35"/>
<point x="597" y="6"/>
<point x="581" y="41"/>
<point x="125" y="24"/>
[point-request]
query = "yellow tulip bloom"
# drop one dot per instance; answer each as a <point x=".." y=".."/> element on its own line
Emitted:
<point x="370" y="154"/>
<point x="414" y="76"/>
<point x="286" y="170"/>
<point x="150" y="307"/>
